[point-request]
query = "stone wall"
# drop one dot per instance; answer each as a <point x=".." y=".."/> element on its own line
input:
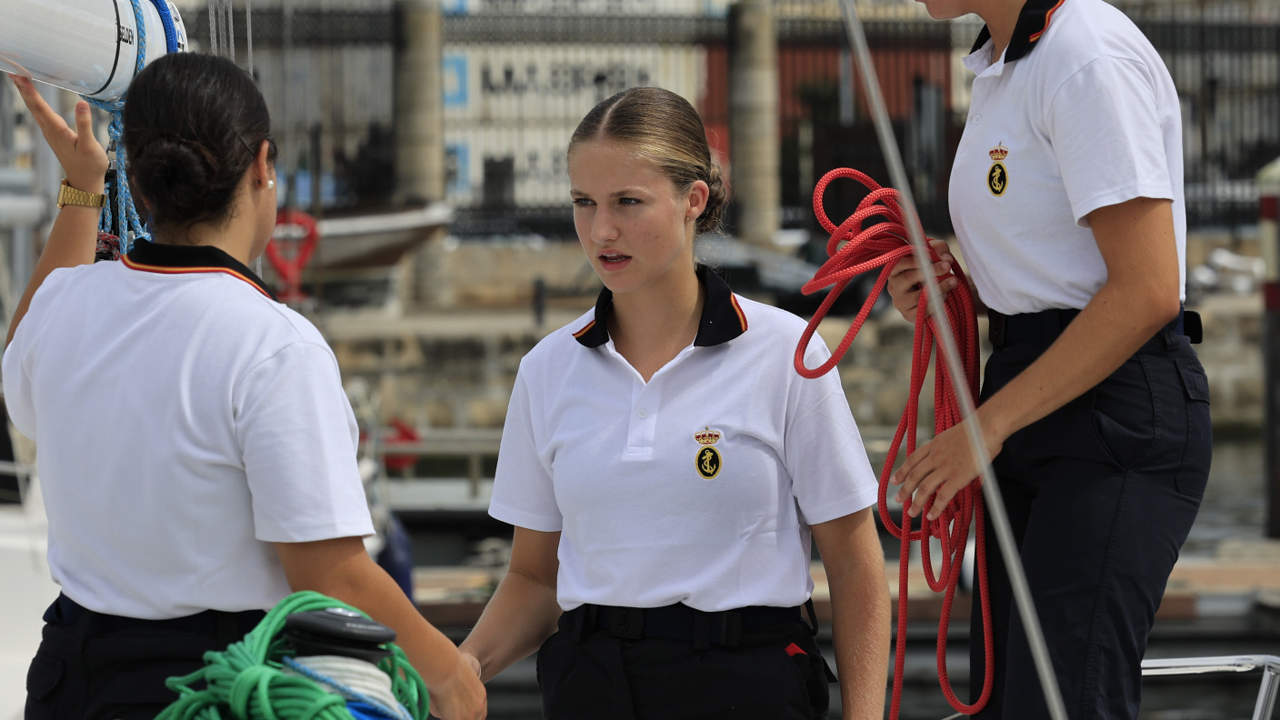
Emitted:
<point x="453" y="366"/>
<point x="434" y="374"/>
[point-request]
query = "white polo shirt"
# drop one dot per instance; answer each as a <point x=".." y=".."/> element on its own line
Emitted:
<point x="1077" y="114"/>
<point x="697" y="487"/>
<point x="183" y="421"/>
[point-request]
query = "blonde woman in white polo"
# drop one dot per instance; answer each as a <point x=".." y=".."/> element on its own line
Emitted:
<point x="1066" y="197"/>
<point x="664" y="468"/>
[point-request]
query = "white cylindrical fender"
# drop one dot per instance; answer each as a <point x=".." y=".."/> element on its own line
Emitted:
<point x="89" y="47"/>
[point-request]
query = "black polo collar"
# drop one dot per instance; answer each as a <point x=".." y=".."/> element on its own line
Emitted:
<point x="722" y="317"/>
<point x="180" y="259"/>
<point x="1032" y="22"/>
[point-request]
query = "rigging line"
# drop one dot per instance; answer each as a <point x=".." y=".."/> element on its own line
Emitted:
<point x="248" y="35"/>
<point x="248" y="39"/>
<point x="215" y="28"/>
<point x="231" y="30"/>
<point x="990" y="488"/>
<point x="213" y="33"/>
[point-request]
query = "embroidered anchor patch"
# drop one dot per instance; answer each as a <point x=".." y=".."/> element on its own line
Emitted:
<point x="708" y="461"/>
<point x="998" y="175"/>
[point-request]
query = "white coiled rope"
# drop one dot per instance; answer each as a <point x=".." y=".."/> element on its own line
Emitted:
<point x="351" y="678"/>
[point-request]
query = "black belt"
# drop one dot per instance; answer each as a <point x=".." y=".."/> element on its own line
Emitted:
<point x="222" y="627"/>
<point x="1042" y="328"/>
<point x="740" y="627"/>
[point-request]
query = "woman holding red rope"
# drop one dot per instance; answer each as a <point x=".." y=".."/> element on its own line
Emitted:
<point x="1066" y="197"/>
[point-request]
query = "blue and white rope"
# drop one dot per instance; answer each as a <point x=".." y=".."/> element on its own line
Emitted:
<point x="356" y="673"/>
<point x="130" y="224"/>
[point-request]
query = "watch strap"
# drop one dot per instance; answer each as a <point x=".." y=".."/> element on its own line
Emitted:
<point x="68" y="195"/>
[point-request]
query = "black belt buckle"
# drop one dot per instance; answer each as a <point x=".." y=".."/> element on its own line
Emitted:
<point x="996" y="328"/>
<point x="581" y="621"/>
<point x="1192" y="326"/>
<point x="729" y="629"/>
<point x="625" y="623"/>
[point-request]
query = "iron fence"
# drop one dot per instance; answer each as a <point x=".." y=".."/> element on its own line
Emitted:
<point x="518" y="75"/>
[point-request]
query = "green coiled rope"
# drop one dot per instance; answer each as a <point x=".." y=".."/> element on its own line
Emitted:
<point x="247" y="680"/>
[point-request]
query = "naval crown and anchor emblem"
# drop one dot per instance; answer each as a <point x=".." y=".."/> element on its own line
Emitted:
<point x="708" y="461"/>
<point x="998" y="175"/>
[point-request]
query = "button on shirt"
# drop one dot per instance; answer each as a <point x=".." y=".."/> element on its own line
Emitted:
<point x="1077" y="114"/>
<point x="695" y="487"/>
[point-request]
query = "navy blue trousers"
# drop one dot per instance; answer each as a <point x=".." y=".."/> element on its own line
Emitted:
<point x="594" y="674"/>
<point x="1101" y="495"/>
<point x="93" y="666"/>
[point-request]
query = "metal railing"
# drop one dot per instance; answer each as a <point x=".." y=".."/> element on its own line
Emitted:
<point x="474" y="444"/>
<point x="23" y="473"/>
<point x="1269" y="664"/>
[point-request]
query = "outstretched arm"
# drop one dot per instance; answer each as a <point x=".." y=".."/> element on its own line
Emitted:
<point x="341" y="568"/>
<point x="84" y="162"/>
<point x="523" y="611"/>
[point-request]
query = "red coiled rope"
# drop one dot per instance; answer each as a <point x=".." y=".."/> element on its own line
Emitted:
<point x="882" y="245"/>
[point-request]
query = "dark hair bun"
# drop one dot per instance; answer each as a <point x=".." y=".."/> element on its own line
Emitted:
<point x="193" y="124"/>
<point x="182" y="182"/>
<point x="717" y="198"/>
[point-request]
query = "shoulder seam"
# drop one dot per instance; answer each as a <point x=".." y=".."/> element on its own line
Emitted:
<point x="1053" y="95"/>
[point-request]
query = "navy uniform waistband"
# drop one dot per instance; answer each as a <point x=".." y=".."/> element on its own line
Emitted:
<point x="1040" y="329"/>
<point x="740" y="627"/>
<point x="223" y="627"/>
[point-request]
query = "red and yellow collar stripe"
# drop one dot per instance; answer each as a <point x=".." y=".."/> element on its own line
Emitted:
<point x="1047" y="19"/>
<point x="742" y="317"/>
<point x="169" y="270"/>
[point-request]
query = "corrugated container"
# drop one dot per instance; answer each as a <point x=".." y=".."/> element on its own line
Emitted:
<point x="586" y="7"/>
<point x="490" y="165"/>
<point x="807" y="72"/>
<point x="347" y="86"/>
<point x="522" y="83"/>
<point x="518" y="104"/>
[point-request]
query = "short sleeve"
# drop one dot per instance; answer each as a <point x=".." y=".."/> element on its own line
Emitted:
<point x="830" y="474"/>
<point x="1106" y="133"/>
<point x="17" y="385"/>
<point x="16" y="369"/>
<point x="299" y="438"/>
<point x="523" y="489"/>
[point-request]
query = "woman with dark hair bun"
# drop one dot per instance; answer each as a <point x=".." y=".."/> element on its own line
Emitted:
<point x="197" y="451"/>
<point x="665" y="470"/>
<point x="1068" y="203"/>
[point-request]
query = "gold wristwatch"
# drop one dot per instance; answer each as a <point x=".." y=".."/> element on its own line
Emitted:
<point x="68" y="195"/>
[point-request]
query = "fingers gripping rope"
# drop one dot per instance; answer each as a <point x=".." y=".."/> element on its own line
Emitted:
<point x="126" y="224"/>
<point x="854" y="249"/>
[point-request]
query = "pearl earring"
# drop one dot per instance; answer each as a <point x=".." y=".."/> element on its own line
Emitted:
<point x="271" y="184"/>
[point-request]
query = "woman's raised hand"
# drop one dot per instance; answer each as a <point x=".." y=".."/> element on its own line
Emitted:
<point x="83" y="159"/>
<point x="906" y="282"/>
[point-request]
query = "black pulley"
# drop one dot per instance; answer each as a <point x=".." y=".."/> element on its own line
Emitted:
<point x="337" y="631"/>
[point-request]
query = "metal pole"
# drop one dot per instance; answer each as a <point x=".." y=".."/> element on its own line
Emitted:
<point x="21" y="263"/>
<point x="419" y="113"/>
<point x="6" y="125"/>
<point x="419" y="136"/>
<point x="1269" y="237"/>
<point x="990" y="489"/>
<point x="1266" y="703"/>
<point x="753" y="121"/>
